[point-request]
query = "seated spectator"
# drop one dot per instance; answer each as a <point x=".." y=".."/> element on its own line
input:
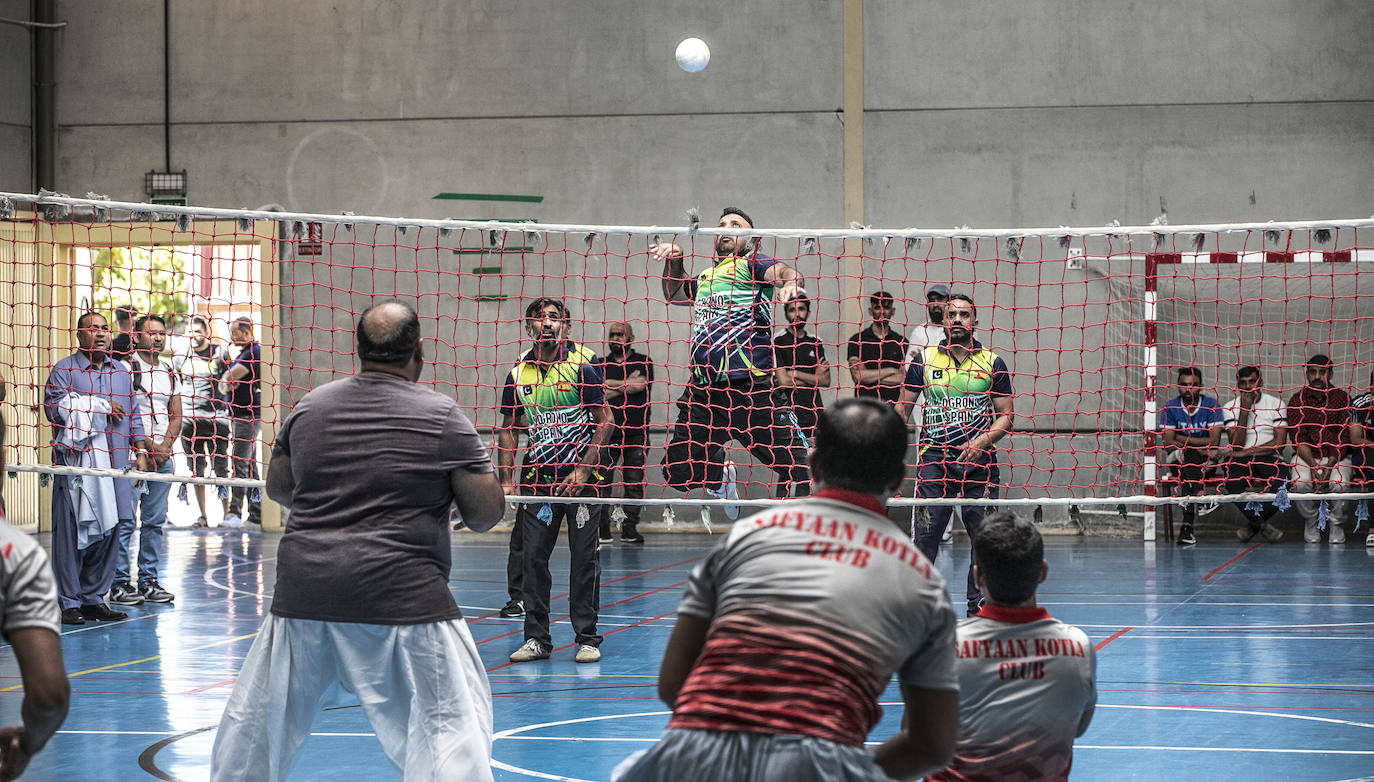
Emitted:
<point x="1256" y="431"/>
<point x="1192" y="428"/>
<point x="1319" y="417"/>
<point x="1361" y="442"/>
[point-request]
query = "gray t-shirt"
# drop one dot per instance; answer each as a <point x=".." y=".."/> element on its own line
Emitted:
<point x="28" y="597"/>
<point x="368" y="536"/>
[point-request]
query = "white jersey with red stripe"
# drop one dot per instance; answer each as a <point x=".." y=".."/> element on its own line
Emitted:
<point x="1027" y="689"/>
<point x="813" y="605"/>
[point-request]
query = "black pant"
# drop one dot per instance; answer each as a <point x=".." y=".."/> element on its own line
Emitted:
<point x="627" y="448"/>
<point x="1257" y="473"/>
<point x="752" y="412"/>
<point x="1192" y="472"/>
<point x="527" y="567"/>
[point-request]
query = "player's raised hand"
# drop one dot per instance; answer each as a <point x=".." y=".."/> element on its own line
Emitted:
<point x="665" y="250"/>
<point x="790" y="290"/>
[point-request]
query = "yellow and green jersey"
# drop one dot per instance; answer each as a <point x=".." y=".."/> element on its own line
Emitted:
<point x="555" y="401"/>
<point x="957" y="403"/>
<point x="732" y="318"/>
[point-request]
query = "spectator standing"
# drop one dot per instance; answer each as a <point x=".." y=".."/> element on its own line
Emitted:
<point x="124" y="340"/>
<point x="97" y="423"/>
<point x="205" y="414"/>
<point x="801" y="372"/>
<point x="159" y="392"/>
<point x="876" y="353"/>
<point x="629" y="378"/>
<point x="241" y="385"/>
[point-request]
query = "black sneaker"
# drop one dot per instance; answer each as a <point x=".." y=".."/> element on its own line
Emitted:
<point x="603" y="535"/>
<point x="513" y="609"/>
<point x="124" y="594"/>
<point x="1185" y="535"/>
<point x="630" y="534"/>
<point x="154" y="593"/>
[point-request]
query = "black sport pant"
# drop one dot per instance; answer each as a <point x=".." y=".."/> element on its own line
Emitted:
<point x="752" y="412"/>
<point x="527" y="568"/>
<point x="627" y="449"/>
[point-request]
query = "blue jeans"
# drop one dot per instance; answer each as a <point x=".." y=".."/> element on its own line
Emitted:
<point x="152" y="514"/>
<point x="939" y="476"/>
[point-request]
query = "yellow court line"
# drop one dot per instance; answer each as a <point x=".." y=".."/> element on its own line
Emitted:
<point x="142" y="659"/>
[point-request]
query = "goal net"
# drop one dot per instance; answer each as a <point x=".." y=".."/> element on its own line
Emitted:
<point x="1093" y="323"/>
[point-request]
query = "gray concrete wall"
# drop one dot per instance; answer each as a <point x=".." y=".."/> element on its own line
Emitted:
<point x="1009" y="114"/>
<point x="16" y="112"/>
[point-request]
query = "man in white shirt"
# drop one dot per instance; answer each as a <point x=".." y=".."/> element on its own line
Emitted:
<point x="922" y="337"/>
<point x="1255" y="430"/>
<point x="158" y="387"/>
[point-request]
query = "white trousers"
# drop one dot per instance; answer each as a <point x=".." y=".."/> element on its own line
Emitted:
<point x="422" y="687"/>
<point x="1339" y="480"/>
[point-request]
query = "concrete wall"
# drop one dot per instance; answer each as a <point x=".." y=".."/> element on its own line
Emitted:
<point x="16" y="112"/>
<point x="1010" y="114"/>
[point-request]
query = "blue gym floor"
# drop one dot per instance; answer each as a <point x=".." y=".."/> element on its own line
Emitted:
<point x="1222" y="661"/>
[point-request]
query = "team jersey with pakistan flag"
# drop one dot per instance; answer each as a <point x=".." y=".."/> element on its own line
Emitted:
<point x="732" y="319"/>
<point x="555" y="401"/>
<point x="958" y="395"/>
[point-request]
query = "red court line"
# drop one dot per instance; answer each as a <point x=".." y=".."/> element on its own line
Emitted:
<point x="603" y="635"/>
<point x="1231" y="561"/>
<point x="1112" y="637"/>
<point x="209" y="687"/>
<point x="643" y="594"/>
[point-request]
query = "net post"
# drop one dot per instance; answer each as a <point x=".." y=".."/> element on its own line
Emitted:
<point x="1150" y="423"/>
<point x="269" y="300"/>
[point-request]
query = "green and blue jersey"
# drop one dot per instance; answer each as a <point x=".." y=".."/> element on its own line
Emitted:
<point x="958" y="394"/>
<point x="555" y="402"/>
<point x="732" y="319"/>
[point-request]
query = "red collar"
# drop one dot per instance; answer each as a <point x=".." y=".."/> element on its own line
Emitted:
<point x="1018" y="616"/>
<point x="866" y="501"/>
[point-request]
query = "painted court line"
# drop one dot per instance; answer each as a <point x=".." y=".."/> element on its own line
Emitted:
<point x="1112" y="637"/>
<point x="1232" y="561"/>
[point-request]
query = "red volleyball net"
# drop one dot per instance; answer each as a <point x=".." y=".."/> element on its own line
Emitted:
<point x="1092" y="323"/>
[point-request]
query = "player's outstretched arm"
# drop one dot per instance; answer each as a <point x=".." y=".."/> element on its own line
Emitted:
<point x="684" y="646"/>
<point x="926" y="743"/>
<point x="46" y="696"/>
<point x="676" y="285"/>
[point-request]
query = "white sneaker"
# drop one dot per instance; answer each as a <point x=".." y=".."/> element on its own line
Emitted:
<point x="1336" y="533"/>
<point x="1310" y="533"/>
<point x="232" y="521"/>
<point x="530" y="650"/>
<point x="948" y="537"/>
<point x="729" y="490"/>
<point x="1369" y="541"/>
<point x="586" y="653"/>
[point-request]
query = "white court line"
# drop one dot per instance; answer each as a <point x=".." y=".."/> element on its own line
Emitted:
<point x="209" y="579"/>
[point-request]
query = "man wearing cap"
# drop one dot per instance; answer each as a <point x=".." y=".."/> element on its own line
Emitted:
<point x="731" y="394"/>
<point x="241" y="385"/>
<point x="876" y="354"/>
<point x="933" y="332"/>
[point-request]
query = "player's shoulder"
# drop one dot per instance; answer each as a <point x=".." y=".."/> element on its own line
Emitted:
<point x="17" y="546"/>
<point x="1365" y="399"/>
